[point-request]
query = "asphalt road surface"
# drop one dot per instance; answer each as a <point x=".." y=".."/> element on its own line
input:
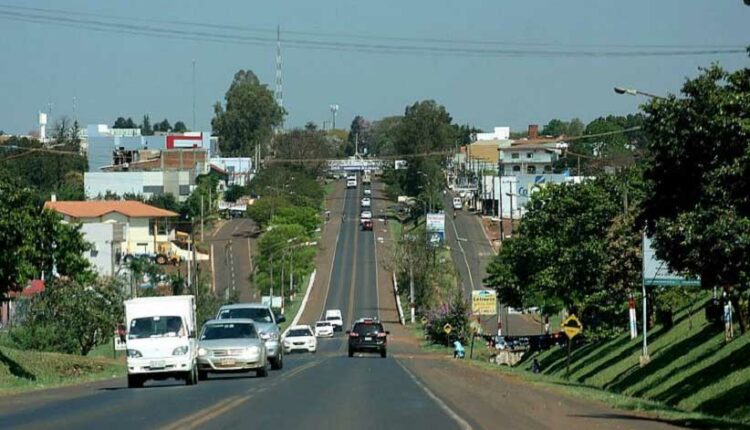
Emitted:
<point x="471" y="253"/>
<point x="231" y="250"/>
<point x="410" y="389"/>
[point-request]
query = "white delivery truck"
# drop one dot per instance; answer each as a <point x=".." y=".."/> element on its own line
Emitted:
<point x="161" y="340"/>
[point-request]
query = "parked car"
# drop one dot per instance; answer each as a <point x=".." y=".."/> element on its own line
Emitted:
<point x="300" y="338"/>
<point x="231" y="345"/>
<point x="334" y="316"/>
<point x="323" y="329"/>
<point x="267" y="324"/>
<point x="368" y="335"/>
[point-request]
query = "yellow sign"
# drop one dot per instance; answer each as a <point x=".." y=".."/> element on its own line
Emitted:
<point x="572" y="326"/>
<point x="447" y="328"/>
<point x="483" y="302"/>
<point x="424" y="320"/>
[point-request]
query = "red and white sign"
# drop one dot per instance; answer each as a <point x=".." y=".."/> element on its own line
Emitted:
<point x="182" y="141"/>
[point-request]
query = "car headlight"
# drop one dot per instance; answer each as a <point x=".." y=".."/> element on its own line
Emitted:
<point x="180" y="350"/>
<point x="269" y="336"/>
<point x="133" y="353"/>
<point x="202" y="351"/>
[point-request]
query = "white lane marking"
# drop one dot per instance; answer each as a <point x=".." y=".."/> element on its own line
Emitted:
<point x="333" y="259"/>
<point x="463" y="252"/>
<point x="462" y="423"/>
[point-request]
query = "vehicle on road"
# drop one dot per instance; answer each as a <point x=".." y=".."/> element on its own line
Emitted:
<point x="231" y="345"/>
<point x="366" y="202"/>
<point x="367" y="224"/>
<point x="161" y="340"/>
<point x="266" y="323"/>
<point x="367" y="192"/>
<point x="323" y="329"/>
<point x="365" y="215"/>
<point x="368" y="335"/>
<point x="366" y="179"/>
<point x="351" y="183"/>
<point x="300" y="338"/>
<point x="457" y="204"/>
<point x="334" y="316"/>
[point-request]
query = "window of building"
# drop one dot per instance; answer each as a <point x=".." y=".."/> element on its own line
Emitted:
<point x="531" y="169"/>
<point x="516" y="168"/>
<point x="153" y="189"/>
<point x="547" y="169"/>
<point x="160" y="224"/>
<point x="529" y="155"/>
<point x="514" y="155"/>
<point x="184" y="190"/>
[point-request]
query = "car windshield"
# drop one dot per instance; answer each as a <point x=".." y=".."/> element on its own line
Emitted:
<point x="299" y="333"/>
<point x="158" y="326"/>
<point x="323" y="324"/>
<point x="229" y="331"/>
<point x="262" y="315"/>
<point x="368" y="329"/>
<point x="332" y="318"/>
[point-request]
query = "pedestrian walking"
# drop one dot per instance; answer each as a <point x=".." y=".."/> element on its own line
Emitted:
<point x="535" y="366"/>
<point x="728" y="329"/>
<point x="546" y="324"/>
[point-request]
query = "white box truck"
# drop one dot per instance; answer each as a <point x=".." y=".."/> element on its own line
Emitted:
<point x="161" y="339"/>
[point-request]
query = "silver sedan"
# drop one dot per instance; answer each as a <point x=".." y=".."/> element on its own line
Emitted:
<point x="231" y="345"/>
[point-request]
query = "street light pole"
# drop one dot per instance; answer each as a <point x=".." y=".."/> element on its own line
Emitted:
<point x="635" y="92"/>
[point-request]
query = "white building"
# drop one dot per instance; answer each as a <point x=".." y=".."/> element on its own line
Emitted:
<point x="498" y="133"/>
<point x="237" y="169"/>
<point x="137" y="228"/>
<point x="529" y="158"/>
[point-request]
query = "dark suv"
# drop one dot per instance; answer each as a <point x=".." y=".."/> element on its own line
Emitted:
<point x="367" y="335"/>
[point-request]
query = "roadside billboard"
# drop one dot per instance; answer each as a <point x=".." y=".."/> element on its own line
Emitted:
<point x="483" y="302"/>
<point x="436" y="228"/>
<point x="656" y="272"/>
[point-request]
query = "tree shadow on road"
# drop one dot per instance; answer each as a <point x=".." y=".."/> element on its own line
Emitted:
<point x="699" y="423"/>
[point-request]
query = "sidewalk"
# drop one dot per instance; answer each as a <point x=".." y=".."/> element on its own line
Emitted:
<point x="324" y="260"/>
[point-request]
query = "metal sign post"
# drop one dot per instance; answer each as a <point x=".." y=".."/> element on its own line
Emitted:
<point x="572" y="328"/>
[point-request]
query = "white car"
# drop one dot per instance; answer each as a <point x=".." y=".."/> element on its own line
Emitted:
<point x="366" y="202"/>
<point x="300" y="338"/>
<point x="365" y="215"/>
<point x="351" y="183"/>
<point x="367" y="191"/>
<point x="457" y="204"/>
<point x="323" y="329"/>
<point x="334" y="317"/>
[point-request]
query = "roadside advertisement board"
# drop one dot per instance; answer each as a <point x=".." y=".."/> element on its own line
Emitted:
<point x="436" y="228"/>
<point x="483" y="302"/>
<point x="266" y="300"/>
<point x="656" y="272"/>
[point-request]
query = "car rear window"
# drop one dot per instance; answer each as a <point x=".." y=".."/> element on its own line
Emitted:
<point x="323" y="324"/>
<point x="333" y="318"/>
<point x="299" y="333"/>
<point x="365" y="328"/>
<point x="262" y="315"/>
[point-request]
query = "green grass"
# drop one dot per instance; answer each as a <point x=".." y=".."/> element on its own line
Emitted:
<point x="33" y="370"/>
<point x="694" y="379"/>
<point x="292" y="306"/>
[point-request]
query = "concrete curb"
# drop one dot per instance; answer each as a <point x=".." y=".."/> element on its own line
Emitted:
<point x="304" y="303"/>
<point x="398" y="300"/>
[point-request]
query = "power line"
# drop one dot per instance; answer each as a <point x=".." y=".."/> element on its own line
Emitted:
<point x="55" y="18"/>
<point x="432" y="40"/>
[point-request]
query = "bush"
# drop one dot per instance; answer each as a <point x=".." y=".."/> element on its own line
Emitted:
<point x="43" y="337"/>
<point x="456" y="313"/>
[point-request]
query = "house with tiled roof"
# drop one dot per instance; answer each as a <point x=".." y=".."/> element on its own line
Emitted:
<point x="118" y="228"/>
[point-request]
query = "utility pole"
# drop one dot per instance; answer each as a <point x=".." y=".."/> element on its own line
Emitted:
<point x="194" y="94"/>
<point x="279" y="94"/>
<point x="201" y="217"/>
<point x="356" y="143"/>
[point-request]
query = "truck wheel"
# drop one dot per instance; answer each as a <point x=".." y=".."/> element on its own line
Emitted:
<point x="278" y="362"/>
<point x="135" y="381"/>
<point x="161" y="259"/>
<point x="192" y="376"/>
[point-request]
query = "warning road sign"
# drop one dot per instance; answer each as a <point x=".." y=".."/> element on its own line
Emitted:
<point x="572" y="326"/>
<point x="447" y="328"/>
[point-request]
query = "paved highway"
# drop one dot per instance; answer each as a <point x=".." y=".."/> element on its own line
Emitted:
<point x="411" y="389"/>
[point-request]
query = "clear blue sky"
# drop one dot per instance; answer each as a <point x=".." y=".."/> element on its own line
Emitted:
<point x="113" y="74"/>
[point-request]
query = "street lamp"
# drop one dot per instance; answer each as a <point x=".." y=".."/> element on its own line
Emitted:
<point x="429" y="184"/>
<point x="635" y="92"/>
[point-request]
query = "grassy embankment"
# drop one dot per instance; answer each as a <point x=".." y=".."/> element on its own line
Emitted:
<point x="33" y="370"/>
<point x="693" y="379"/>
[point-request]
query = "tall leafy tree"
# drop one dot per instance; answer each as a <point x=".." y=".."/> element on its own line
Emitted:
<point x="383" y="135"/>
<point x="248" y="117"/>
<point x="146" y="128"/>
<point x="179" y="127"/>
<point x="698" y="172"/>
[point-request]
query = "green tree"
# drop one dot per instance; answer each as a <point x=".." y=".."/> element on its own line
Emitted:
<point x="698" y="172"/>
<point x="179" y="127"/>
<point x="165" y="201"/>
<point x="555" y="127"/>
<point x="248" y="117"/>
<point x="81" y="315"/>
<point x="383" y="135"/>
<point x="234" y="192"/>
<point x="359" y="134"/>
<point x="307" y="217"/>
<point x="164" y="126"/>
<point x="146" y="129"/>
<point x="465" y="133"/>
<point x="309" y="146"/>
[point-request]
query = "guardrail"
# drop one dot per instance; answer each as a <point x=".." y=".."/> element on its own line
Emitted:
<point x="398" y="299"/>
